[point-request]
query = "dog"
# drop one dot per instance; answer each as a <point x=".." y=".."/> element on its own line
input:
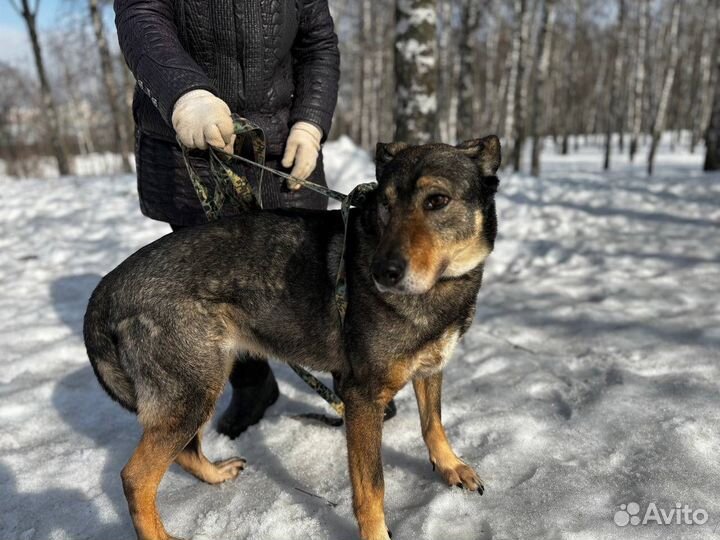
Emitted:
<point x="163" y="329"/>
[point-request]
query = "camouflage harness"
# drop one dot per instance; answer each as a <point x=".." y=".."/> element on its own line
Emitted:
<point x="235" y="188"/>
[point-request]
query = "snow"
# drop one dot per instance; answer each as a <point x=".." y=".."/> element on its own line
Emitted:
<point x="589" y="380"/>
<point x="94" y="163"/>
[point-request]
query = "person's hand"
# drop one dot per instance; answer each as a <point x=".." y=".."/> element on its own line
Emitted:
<point x="302" y="149"/>
<point x="201" y="119"/>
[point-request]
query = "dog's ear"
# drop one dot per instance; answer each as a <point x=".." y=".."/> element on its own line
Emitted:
<point x="485" y="152"/>
<point x="385" y="153"/>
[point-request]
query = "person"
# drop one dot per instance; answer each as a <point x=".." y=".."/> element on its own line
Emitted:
<point x="276" y="64"/>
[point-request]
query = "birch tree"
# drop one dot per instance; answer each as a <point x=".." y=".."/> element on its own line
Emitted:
<point x="702" y="108"/>
<point x="120" y="137"/>
<point x="514" y="111"/>
<point x="639" y="91"/>
<point x="613" y="116"/>
<point x="446" y="53"/>
<point x="521" y="88"/>
<point x="538" y="125"/>
<point x="660" y="117"/>
<point x="570" y="94"/>
<point x="28" y="10"/>
<point x="416" y="71"/>
<point x="366" y="16"/>
<point x="712" y="135"/>
<point x="468" y="80"/>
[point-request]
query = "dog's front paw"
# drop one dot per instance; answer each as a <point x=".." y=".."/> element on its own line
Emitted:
<point x="460" y="474"/>
<point x="229" y="469"/>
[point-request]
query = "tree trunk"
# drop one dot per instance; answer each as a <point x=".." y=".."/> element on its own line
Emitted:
<point x="540" y="100"/>
<point x="640" y="77"/>
<point x="515" y="79"/>
<point x="377" y="74"/>
<point x="712" y="135"/>
<point x="52" y="116"/>
<point x="416" y="71"/>
<point x="493" y="97"/>
<point x="704" y="109"/>
<point x="613" y="117"/>
<point x="467" y="91"/>
<point x="521" y="99"/>
<point x="660" y="118"/>
<point x="496" y="119"/>
<point x="357" y="83"/>
<point x="120" y="138"/>
<point x="78" y="122"/>
<point x="444" y="55"/>
<point x="367" y="73"/>
<point x="567" y="113"/>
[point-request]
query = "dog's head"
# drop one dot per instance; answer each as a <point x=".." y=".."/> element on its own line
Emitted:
<point x="433" y="212"/>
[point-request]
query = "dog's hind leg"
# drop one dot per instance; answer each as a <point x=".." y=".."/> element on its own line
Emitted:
<point x="141" y="476"/>
<point x="454" y="470"/>
<point x="170" y="427"/>
<point x="193" y="460"/>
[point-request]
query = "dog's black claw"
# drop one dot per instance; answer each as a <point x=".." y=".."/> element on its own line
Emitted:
<point x="481" y="490"/>
<point x="389" y="533"/>
<point x="390" y="410"/>
<point x="433" y="465"/>
<point x="459" y="484"/>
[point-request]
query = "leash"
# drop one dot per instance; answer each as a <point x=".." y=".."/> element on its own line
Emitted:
<point x="235" y="188"/>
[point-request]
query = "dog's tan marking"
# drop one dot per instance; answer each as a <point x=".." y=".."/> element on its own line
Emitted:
<point x="193" y="460"/>
<point x="391" y="195"/>
<point x="464" y="256"/>
<point x="363" y="417"/>
<point x="434" y="356"/>
<point x="421" y="248"/>
<point x="428" y="181"/>
<point x="453" y="470"/>
<point x="428" y="360"/>
<point x="397" y="374"/>
<point x="141" y="477"/>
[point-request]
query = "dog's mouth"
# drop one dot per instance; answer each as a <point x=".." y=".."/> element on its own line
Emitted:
<point x="395" y="289"/>
<point x="395" y="275"/>
<point x="410" y="284"/>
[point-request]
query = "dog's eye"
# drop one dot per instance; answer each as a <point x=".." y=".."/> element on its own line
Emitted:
<point x="436" y="202"/>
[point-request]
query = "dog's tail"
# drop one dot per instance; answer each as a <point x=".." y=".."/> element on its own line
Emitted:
<point x="101" y="344"/>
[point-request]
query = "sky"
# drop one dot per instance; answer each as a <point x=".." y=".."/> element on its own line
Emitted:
<point x="48" y="11"/>
<point x="14" y="44"/>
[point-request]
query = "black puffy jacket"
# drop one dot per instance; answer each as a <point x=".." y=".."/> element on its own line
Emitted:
<point x="274" y="62"/>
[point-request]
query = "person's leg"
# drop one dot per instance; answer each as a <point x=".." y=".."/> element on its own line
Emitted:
<point x="254" y="390"/>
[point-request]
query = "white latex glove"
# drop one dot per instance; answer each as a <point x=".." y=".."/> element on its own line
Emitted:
<point x="201" y="119"/>
<point x="302" y="149"/>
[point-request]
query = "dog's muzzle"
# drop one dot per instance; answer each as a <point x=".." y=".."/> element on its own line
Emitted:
<point x="388" y="271"/>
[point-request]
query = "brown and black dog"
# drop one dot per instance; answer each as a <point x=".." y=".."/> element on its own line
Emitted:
<point x="163" y="329"/>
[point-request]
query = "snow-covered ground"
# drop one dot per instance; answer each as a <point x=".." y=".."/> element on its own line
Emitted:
<point x="590" y="379"/>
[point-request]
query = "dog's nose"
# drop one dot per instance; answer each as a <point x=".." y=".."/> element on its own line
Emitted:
<point x="389" y="271"/>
